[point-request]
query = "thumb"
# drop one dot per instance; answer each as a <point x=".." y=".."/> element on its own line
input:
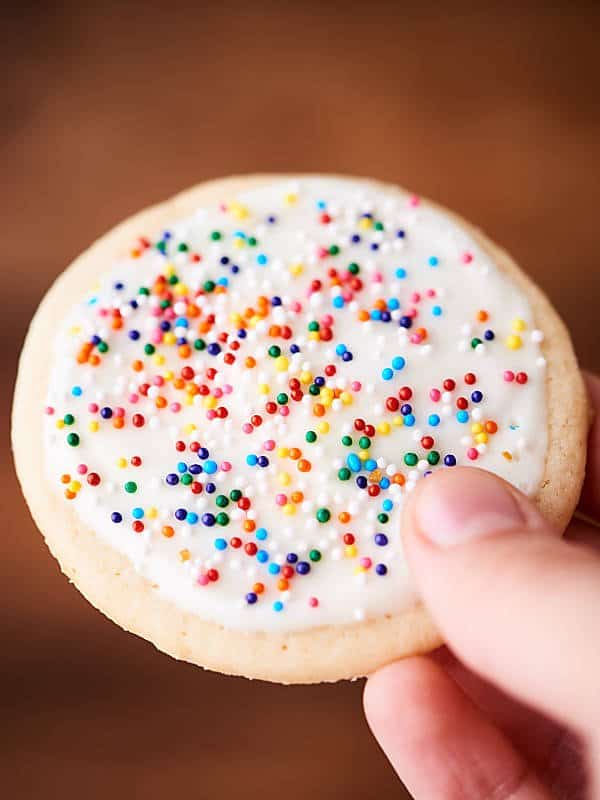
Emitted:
<point x="516" y="603"/>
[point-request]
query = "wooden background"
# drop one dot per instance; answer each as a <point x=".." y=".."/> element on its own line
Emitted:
<point x="492" y="110"/>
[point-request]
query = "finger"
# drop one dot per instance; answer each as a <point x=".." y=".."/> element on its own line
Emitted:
<point x="516" y="604"/>
<point x="437" y="740"/>
<point x="590" y="495"/>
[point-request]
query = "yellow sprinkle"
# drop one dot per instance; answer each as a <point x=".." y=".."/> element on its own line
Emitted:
<point x="170" y="269"/>
<point x="184" y="555"/>
<point x="291" y="199"/>
<point x="152" y="512"/>
<point x="189" y="427"/>
<point x="74" y="486"/>
<point x="235" y="318"/>
<point x="75" y="330"/>
<point x="314" y="336"/>
<point x="305" y="377"/>
<point x="323" y="427"/>
<point x="209" y="401"/>
<point x="346" y="398"/>
<point x="297" y="269"/>
<point x="481" y="438"/>
<point x="289" y="509"/>
<point x="281" y="364"/>
<point x="239" y="243"/>
<point x="518" y="325"/>
<point x="326" y="401"/>
<point x="93" y="427"/>
<point x="169" y="338"/>
<point x="365" y="223"/>
<point x="283" y="452"/>
<point x="350" y="550"/>
<point x="181" y="289"/>
<point x="398" y="422"/>
<point x="158" y="359"/>
<point x="188" y="400"/>
<point x="476" y="427"/>
<point x="60" y="424"/>
<point x="363" y="455"/>
<point x="514" y="341"/>
<point x="507" y="455"/>
<point x="263" y="388"/>
<point x="384" y="428"/>
<point x="121" y="463"/>
<point x="284" y="478"/>
<point x="168" y="374"/>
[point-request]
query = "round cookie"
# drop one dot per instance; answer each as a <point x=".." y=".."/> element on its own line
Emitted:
<point x="307" y="596"/>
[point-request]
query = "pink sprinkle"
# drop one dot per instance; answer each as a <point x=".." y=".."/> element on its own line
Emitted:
<point x="377" y="277"/>
<point x="93" y="408"/>
<point x="103" y="312"/>
<point x="415" y="338"/>
<point x="227" y="388"/>
<point x="158" y="380"/>
<point x="327" y="320"/>
<point x="467" y="258"/>
<point x="430" y="292"/>
<point x="356" y="386"/>
<point x="49" y="410"/>
<point x="82" y="469"/>
<point x="472" y="454"/>
<point x="284" y="411"/>
<point x="119" y="411"/>
<point x="226" y="466"/>
<point x="211" y="413"/>
<point x="414" y="200"/>
<point x="347" y="295"/>
<point x="203" y="580"/>
<point x="223" y="207"/>
<point x="322" y="252"/>
<point x="281" y="499"/>
<point x="269" y="444"/>
<point x="133" y="398"/>
<point x="313" y="602"/>
<point x="435" y="395"/>
<point x="169" y="313"/>
<point x="156" y="337"/>
<point x="247" y="427"/>
<point x="415" y="297"/>
<point x="175" y="407"/>
<point x="156" y="311"/>
<point x="509" y="375"/>
<point x="296" y="306"/>
<point x="217" y="392"/>
<point x="366" y="562"/>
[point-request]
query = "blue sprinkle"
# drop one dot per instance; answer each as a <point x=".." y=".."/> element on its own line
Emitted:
<point x="387" y="505"/>
<point x="261" y="534"/>
<point x="77" y="391"/>
<point x="274" y="568"/>
<point x="398" y="362"/>
<point x="393" y="303"/>
<point x="353" y="462"/>
<point x="401" y="273"/>
<point x="251" y="460"/>
<point x="181" y="322"/>
<point x="338" y="301"/>
<point x="116" y="517"/>
<point x="251" y="598"/>
<point x="387" y="374"/>
<point x="384" y="483"/>
<point x="137" y="513"/>
<point x="192" y="517"/>
<point x="210" y="467"/>
<point x="182" y="466"/>
<point x="261" y="259"/>
<point x="370" y="464"/>
<point x="262" y="556"/>
<point x="433" y="261"/>
<point x="340" y="349"/>
<point x="462" y="416"/>
<point x="433" y="420"/>
<point x="436" y="311"/>
<point x="277" y="605"/>
<point x="220" y="544"/>
<point x="409" y="420"/>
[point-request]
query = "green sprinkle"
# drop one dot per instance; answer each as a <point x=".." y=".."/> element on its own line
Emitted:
<point x="364" y="443"/>
<point x="282" y="399"/>
<point x="173" y="279"/>
<point x="68" y="419"/>
<point x="209" y="286"/>
<point x="410" y="459"/>
<point x="383" y="518"/>
<point x="186" y="479"/>
<point x="379" y="226"/>
<point x="344" y="474"/>
<point x="215" y="236"/>
<point x="475" y="342"/>
<point x="222" y="518"/>
<point x="199" y="344"/>
<point x="73" y="439"/>
<point x="314" y="390"/>
<point x="149" y="349"/>
<point x="144" y="291"/>
<point x="334" y="250"/>
<point x="102" y="347"/>
<point x="235" y="495"/>
<point x="433" y="457"/>
<point x="183" y="248"/>
<point x="313" y="326"/>
<point x="252" y="241"/>
<point x="315" y="555"/>
<point x="164" y="304"/>
<point x="310" y="437"/>
<point x="353" y="268"/>
<point x="222" y="501"/>
<point x="347" y="441"/>
<point x="323" y="515"/>
<point x="130" y="487"/>
<point x="274" y="351"/>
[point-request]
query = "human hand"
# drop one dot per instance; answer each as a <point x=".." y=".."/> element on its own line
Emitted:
<point x="511" y="709"/>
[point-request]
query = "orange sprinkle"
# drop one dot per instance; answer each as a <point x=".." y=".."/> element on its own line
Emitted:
<point x="258" y="588"/>
<point x="363" y="315"/>
<point x="282" y="584"/>
<point x="65" y="478"/>
<point x="319" y="410"/>
<point x="184" y="350"/>
<point x="304" y="465"/>
<point x="296" y="497"/>
<point x="482" y="315"/>
<point x="249" y="525"/>
<point x="167" y="531"/>
<point x="344" y="517"/>
<point x="94" y="360"/>
<point x="137" y="365"/>
<point x="250" y="362"/>
<point x="160" y="401"/>
<point x="294" y="453"/>
<point x="398" y="478"/>
<point x="491" y="426"/>
<point x="118" y="422"/>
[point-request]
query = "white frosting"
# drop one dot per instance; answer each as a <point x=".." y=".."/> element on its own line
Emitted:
<point x="465" y="281"/>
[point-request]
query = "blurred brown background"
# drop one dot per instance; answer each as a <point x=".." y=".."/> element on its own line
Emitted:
<point x="490" y="109"/>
